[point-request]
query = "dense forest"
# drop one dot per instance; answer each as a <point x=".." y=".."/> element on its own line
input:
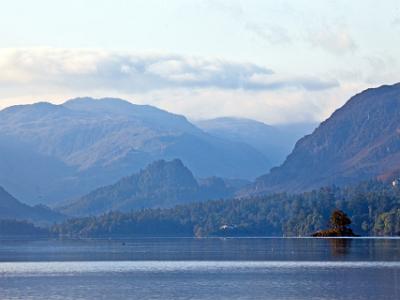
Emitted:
<point x="374" y="208"/>
<point x="24" y="228"/>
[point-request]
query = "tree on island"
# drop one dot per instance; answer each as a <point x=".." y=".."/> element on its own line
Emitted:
<point x="339" y="222"/>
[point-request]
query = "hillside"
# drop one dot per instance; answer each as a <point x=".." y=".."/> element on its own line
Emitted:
<point x="160" y="184"/>
<point x="12" y="209"/>
<point x="360" y="141"/>
<point x="64" y="151"/>
<point x="275" y="142"/>
<point x="372" y="206"/>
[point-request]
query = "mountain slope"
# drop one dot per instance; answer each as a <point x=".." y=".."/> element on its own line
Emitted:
<point x="275" y="142"/>
<point x="361" y="140"/>
<point x="161" y="184"/>
<point x="85" y="143"/>
<point x="11" y="208"/>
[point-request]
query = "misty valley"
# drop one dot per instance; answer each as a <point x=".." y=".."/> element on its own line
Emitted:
<point x="106" y="167"/>
<point x="97" y="187"/>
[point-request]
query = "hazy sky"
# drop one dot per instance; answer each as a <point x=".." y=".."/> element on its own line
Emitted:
<point x="275" y="61"/>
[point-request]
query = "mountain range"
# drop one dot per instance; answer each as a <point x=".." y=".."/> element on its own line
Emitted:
<point x="54" y="153"/>
<point x="275" y="142"/>
<point x="50" y="153"/>
<point x="360" y="141"/>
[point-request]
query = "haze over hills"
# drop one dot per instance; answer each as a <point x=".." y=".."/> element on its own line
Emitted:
<point x="161" y="184"/>
<point x="11" y="208"/>
<point x="51" y="153"/>
<point x="275" y="142"/>
<point x="360" y="141"/>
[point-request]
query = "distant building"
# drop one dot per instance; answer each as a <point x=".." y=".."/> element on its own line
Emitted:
<point x="227" y="227"/>
<point x="396" y="182"/>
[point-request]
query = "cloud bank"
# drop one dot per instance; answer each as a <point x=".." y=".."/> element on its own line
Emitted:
<point x="85" y="69"/>
<point x="194" y="86"/>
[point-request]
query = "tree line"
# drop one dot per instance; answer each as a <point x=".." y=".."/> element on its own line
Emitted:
<point x="373" y="206"/>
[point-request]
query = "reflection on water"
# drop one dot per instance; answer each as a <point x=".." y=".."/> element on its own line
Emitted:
<point x="340" y="247"/>
<point x="208" y="249"/>
<point x="297" y="269"/>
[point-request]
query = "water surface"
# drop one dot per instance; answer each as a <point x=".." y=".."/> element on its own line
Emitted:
<point x="154" y="268"/>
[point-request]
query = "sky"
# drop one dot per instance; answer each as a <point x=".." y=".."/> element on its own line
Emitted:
<point x="273" y="61"/>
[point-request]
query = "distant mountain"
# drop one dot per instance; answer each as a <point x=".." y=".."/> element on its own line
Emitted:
<point x="360" y="141"/>
<point x="275" y="142"/>
<point x="161" y="184"/>
<point x="12" y="209"/>
<point x="50" y="153"/>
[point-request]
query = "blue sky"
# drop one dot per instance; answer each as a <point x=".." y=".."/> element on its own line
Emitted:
<point x="275" y="61"/>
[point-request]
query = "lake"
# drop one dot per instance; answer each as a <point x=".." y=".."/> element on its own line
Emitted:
<point x="209" y="268"/>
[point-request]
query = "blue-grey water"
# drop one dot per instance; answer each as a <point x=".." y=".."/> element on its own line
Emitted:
<point x="154" y="268"/>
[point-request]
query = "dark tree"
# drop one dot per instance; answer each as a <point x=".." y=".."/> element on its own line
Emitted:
<point x="339" y="219"/>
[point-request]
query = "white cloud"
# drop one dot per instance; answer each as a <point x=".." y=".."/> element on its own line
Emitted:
<point x="334" y="40"/>
<point x="280" y="82"/>
<point x="125" y="72"/>
<point x="194" y="86"/>
<point x="272" y="107"/>
<point x="271" y="33"/>
<point x="396" y="21"/>
<point x="380" y="68"/>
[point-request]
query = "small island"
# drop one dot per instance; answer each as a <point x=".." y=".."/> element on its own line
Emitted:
<point x="339" y="222"/>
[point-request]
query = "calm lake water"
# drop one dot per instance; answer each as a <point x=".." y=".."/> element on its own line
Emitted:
<point x="248" y="268"/>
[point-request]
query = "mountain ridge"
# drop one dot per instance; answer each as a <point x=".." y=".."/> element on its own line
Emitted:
<point x="359" y="141"/>
<point x="274" y="141"/>
<point x="83" y="144"/>
<point x="161" y="184"/>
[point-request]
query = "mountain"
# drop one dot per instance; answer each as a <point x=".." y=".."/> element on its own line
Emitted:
<point x="50" y="153"/>
<point x="12" y="209"/>
<point x="360" y="141"/>
<point x="160" y="184"/>
<point x="275" y="142"/>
